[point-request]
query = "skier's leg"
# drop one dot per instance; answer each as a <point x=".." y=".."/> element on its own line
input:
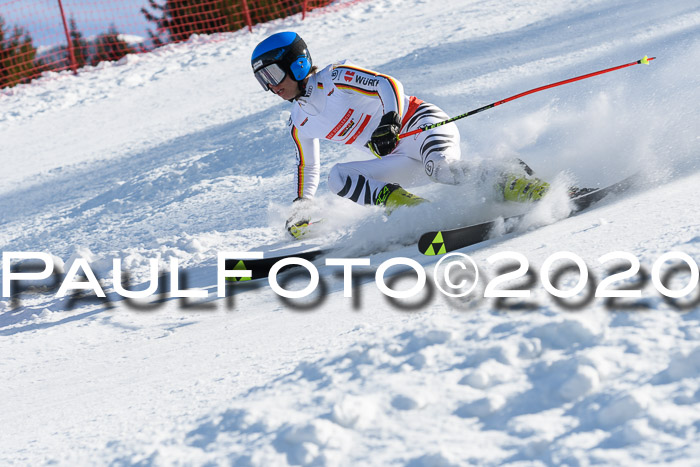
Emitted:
<point x="437" y="150"/>
<point x="415" y="161"/>
<point x="377" y="181"/>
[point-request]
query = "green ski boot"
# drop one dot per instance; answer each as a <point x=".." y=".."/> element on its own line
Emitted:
<point x="392" y="196"/>
<point x="523" y="189"/>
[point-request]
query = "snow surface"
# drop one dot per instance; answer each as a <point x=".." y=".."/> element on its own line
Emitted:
<point x="179" y="154"/>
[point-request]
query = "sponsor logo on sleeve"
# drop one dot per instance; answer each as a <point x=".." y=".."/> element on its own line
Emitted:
<point x="365" y="81"/>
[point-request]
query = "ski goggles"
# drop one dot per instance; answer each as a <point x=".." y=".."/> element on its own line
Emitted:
<point x="271" y="75"/>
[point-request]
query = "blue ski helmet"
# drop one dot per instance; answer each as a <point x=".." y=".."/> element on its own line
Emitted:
<point x="288" y="52"/>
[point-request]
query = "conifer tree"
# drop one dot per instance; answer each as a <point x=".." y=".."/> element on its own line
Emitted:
<point x="177" y="20"/>
<point x="17" y="54"/>
<point x="81" y="50"/>
<point x="110" y="46"/>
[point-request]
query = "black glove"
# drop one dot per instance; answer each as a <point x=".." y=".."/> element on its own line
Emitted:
<point x="385" y="138"/>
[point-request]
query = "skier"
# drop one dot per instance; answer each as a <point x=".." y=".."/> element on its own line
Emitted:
<point x="350" y="105"/>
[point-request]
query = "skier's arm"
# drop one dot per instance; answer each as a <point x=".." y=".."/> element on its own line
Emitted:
<point x="308" y="164"/>
<point x="388" y="90"/>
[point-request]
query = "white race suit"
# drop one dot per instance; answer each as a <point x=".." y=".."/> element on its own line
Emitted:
<point x="344" y="104"/>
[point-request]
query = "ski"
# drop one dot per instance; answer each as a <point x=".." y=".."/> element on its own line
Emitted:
<point x="260" y="268"/>
<point x="444" y="241"/>
<point x="430" y="243"/>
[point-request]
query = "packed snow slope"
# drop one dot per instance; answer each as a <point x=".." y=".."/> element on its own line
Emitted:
<point x="180" y="154"/>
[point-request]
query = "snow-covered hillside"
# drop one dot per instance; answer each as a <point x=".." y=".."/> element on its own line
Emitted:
<point x="179" y="154"/>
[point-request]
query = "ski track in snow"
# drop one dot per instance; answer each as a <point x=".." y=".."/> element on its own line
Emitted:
<point x="178" y="154"/>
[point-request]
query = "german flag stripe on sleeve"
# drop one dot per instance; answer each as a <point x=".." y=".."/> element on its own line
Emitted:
<point x="302" y="164"/>
<point x="356" y="89"/>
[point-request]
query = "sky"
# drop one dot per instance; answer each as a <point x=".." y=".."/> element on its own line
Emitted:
<point x="42" y="17"/>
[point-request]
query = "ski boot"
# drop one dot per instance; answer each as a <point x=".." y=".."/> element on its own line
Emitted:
<point x="523" y="189"/>
<point x="393" y="196"/>
<point x="298" y="229"/>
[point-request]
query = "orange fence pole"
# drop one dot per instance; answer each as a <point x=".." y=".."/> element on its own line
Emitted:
<point x="246" y="11"/>
<point x="71" y="52"/>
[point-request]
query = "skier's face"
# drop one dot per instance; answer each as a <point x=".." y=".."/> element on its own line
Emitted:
<point x="288" y="89"/>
